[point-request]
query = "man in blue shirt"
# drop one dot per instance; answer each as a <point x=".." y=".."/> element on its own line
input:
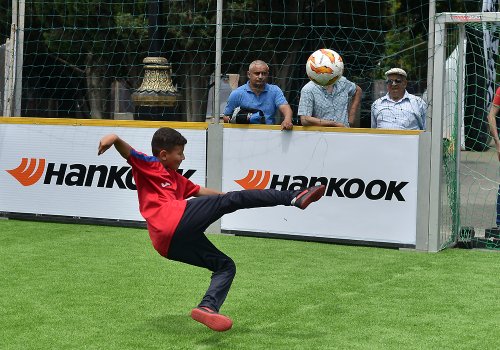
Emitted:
<point x="398" y="109"/>
<point x="261" y="99"/>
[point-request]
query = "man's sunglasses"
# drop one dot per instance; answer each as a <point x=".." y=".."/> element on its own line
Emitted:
<point x="393" y="81"/>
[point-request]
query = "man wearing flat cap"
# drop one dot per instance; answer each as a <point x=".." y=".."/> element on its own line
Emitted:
<point x="398" y="109"/>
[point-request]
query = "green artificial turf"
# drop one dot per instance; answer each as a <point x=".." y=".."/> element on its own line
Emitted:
<point x="93" y="287"/>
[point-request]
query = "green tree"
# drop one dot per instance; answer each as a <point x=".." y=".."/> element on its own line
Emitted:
<point x="5" y="20"/>
<point x="98" y="39"/>
<point x="104" y="41"/>
<point x="405" y="44"/>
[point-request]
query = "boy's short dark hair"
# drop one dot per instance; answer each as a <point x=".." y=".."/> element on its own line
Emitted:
<point x="167" y="139"/>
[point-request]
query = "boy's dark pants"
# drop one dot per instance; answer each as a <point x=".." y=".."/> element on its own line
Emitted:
<point x="190" y="245"/>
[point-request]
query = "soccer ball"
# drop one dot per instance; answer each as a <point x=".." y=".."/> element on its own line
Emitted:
<point x="324" y="67"/>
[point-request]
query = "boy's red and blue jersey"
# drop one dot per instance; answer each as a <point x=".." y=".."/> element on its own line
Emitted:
<point x="496" y="99"/>
<point x="162" y="196"/>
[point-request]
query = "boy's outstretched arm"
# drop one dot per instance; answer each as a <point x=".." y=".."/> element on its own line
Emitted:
<point x="121" y="146"/>
<point x="207" y="192"/>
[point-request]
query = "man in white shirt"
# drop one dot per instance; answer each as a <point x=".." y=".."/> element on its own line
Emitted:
<point x="398" y="109"/>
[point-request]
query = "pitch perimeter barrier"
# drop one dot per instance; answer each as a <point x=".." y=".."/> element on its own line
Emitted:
<point x="377" y="181"/>
<point x="50" y="167"/>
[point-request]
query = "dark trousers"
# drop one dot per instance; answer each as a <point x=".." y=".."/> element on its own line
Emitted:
<point x="190" y="245"/>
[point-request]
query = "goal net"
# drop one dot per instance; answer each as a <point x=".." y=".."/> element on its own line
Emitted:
<point x="467" y="64"/>
<point x="84" y="59"/>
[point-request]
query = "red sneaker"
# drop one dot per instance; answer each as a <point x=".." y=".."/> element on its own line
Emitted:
<point x="211" y="319"/>
<point x="309" y="195"/>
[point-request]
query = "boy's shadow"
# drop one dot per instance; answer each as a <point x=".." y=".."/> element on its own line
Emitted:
<point x="183" y="324"/>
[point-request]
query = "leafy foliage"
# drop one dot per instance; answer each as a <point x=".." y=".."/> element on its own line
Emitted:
<point x="97" y="42"/>
<point x="405" y="46"/>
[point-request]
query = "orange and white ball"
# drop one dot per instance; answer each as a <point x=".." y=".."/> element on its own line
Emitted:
<point x="324" y="67"/>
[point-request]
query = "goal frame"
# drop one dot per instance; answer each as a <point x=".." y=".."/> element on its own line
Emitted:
<point x="437" y="64"/>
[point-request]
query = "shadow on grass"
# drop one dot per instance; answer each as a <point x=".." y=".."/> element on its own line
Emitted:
<point x="196" y="335"/>
<point x="184" y="324"/>
<point x="174" y="323"/>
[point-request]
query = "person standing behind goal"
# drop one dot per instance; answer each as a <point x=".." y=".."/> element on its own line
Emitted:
<point x="259" y="99"/>
<point x="492" y="121"/>
<point x="334" y="105"/>
<point x="398" y="109"/>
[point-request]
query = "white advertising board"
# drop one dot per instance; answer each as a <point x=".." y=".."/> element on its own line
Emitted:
<point x="371" y="182"/>
<point x="55" y="170"/>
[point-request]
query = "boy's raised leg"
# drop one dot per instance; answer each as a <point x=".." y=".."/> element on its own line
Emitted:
<point x="190" y="245"/>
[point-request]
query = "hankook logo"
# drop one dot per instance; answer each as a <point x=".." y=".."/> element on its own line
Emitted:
<point x="31" y="171"/>
<point x="376" y="189"/>
<point x="255" y="179"/>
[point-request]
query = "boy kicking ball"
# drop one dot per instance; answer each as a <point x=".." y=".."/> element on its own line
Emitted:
<point x="176" y="226"/>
